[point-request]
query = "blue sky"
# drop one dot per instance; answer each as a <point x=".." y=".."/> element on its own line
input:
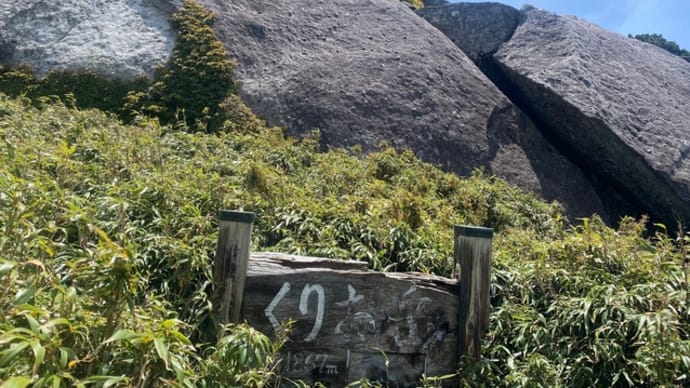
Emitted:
<point x="671" y="18"/>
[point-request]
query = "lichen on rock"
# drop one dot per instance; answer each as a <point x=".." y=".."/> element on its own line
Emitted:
<point x="117" y="39"/>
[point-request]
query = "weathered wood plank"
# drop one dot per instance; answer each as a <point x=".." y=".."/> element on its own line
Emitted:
<point x="473" y="252"/>
<point x="269" y="262"/>
<point x="349" y="321"/>
<point x="230" y="264"/>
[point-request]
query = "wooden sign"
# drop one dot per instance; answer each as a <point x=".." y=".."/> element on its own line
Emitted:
<point x="351" y="323"/>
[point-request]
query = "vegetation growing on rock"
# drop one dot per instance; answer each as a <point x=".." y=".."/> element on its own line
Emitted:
<point x="196" y="87"/>
<point x="85" y="89"/>
<point x="109" y="236"/>
<point x="416" y="4"/>
<point x="198" y="80"/>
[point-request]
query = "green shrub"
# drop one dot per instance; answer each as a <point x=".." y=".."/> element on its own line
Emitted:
<point x="659" y="41"/>
<point x="105" y="263"/>
<point x="82" y="89"/>
<point x="417" y="4"/>
<point x="194" y="87"/>
<point x="109" y="230"/>
<point x="15" y="81"/>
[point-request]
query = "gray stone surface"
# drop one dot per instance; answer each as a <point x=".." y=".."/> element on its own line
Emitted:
<point x="366" y="71"/>
<point x="618" y="105"/>
<point x="359" y="71"/>
<point x="121" y="39"/>
<point x="477" y="28"/>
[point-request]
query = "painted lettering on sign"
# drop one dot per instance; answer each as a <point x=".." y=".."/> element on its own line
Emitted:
<point x="310" y="362"/>
<point x="274" y="303"/>
<point x="320" y="306"/>
<point x="402" y="325"/>
<point x="343" y="329"/>
<point x="303" y="307"/>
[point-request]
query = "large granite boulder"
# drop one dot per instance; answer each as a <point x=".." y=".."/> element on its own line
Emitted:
<point x="477" y="28"/>
<point x="617" y="106"/>
<point x="360" y="72"/>
<point x="363" y="72"/>
<point x="121" y="39"/>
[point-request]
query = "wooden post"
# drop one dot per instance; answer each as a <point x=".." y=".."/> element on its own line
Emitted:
<point x="473" y="252"/>
<point x="232" y="259"/>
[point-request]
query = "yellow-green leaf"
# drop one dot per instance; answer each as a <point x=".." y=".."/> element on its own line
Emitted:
<point x="8" y="355"/>
<point x="25" y="295"/>
<point x="162" y="350"/>
<point x="122" y="335"/>
<point x="39" y="355"/>
<point x="16" y="382"/>
<point x="7" y="266"/>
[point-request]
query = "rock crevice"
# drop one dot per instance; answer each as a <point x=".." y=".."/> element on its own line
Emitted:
<point x="363" y="72"/>
<point x="612" y="105"/>
<point x="477" y="29"/>
<point x="614" y="101"/>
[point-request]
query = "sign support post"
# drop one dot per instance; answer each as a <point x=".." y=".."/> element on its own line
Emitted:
<point x="231" y="262"/>
<point x="473" y="252"/>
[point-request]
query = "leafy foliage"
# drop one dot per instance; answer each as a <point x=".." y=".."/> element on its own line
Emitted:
<point x="199" y="78"/>
<point x="109" y="232"/>
<point x="593" y="307"/>
<point x="415" y="4"/>
<point x="96" y="266"/>
<point x="195" y="91"/>
<point x="84" y="89"/>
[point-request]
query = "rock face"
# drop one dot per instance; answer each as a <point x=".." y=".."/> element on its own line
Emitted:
<point x="617" y="105"/>
<point x="477" y="28"/>
<point x="363" y="72"/>
<point x="121" y="39"/>
<point x="359" y="71"/>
